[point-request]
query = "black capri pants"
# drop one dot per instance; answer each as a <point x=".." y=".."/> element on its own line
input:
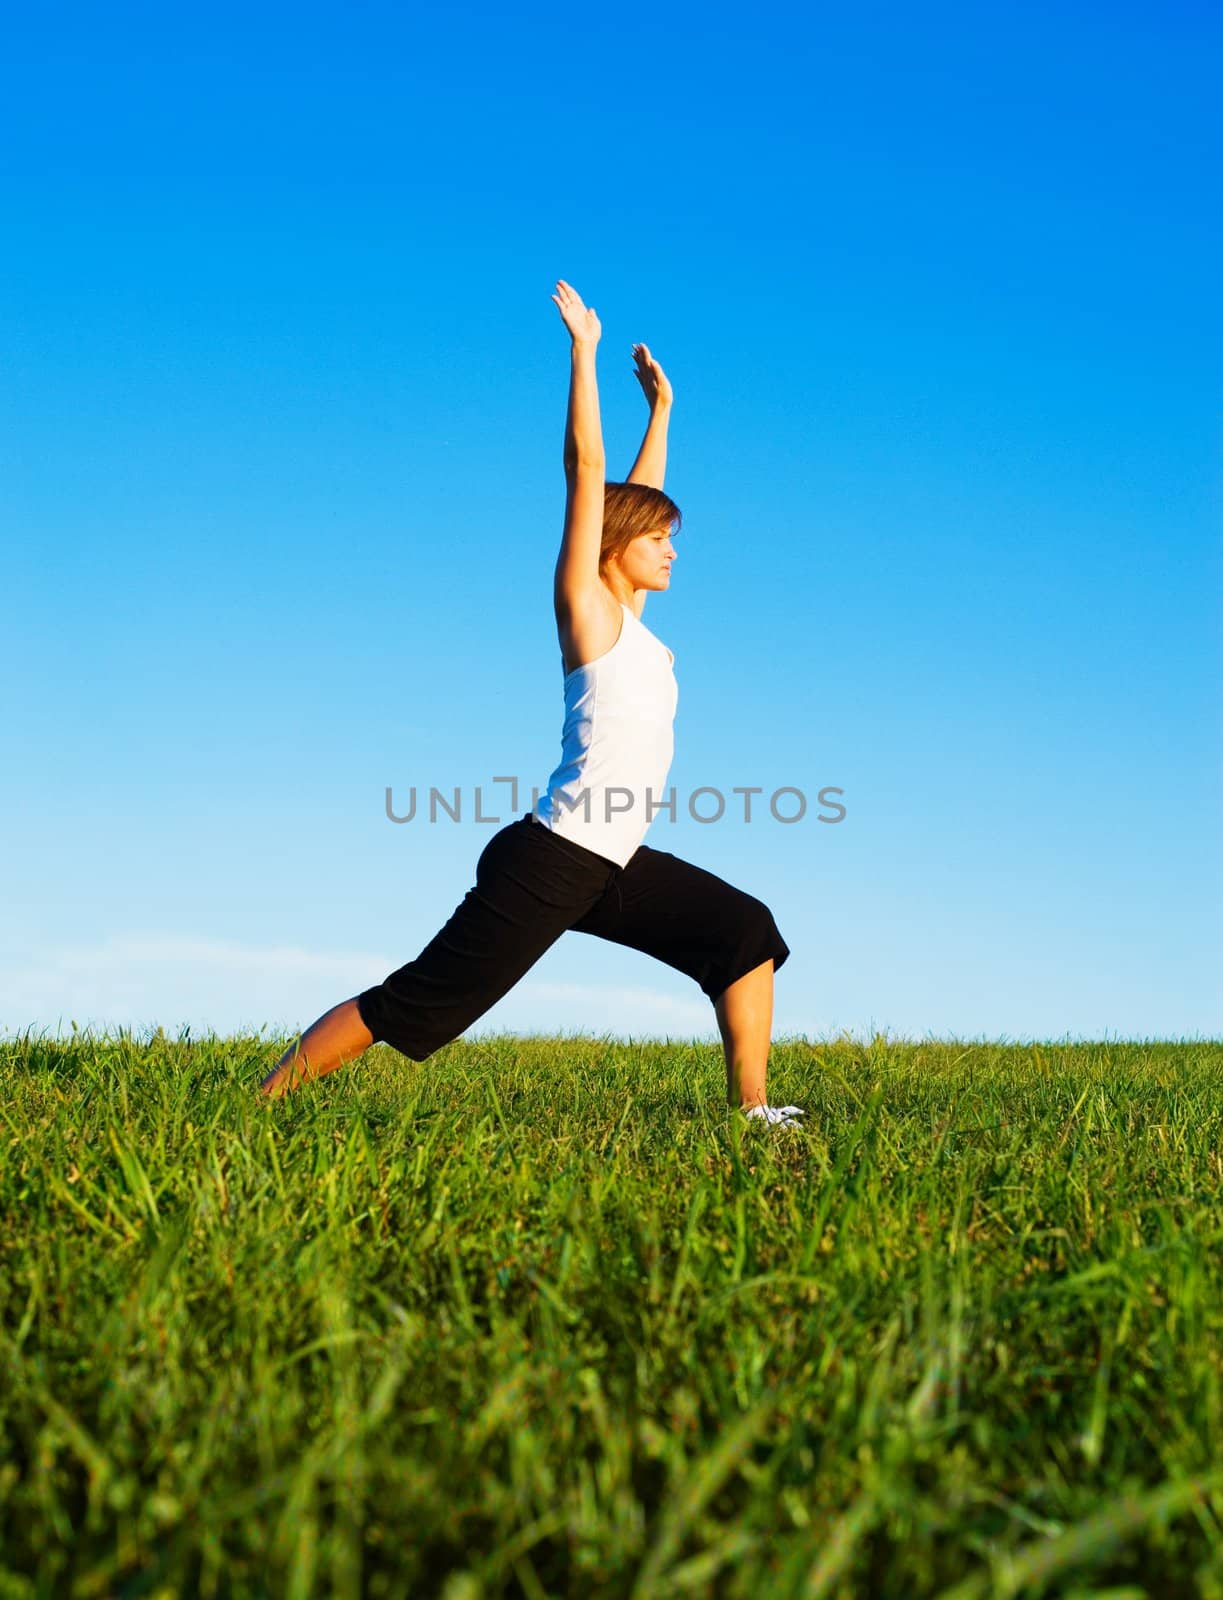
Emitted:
<point x="531" y="886"/>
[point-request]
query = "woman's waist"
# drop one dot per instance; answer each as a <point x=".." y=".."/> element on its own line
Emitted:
<point x="591" y="766"/>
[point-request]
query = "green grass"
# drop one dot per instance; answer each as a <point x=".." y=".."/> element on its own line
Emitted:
<point x="539" y="1318"/>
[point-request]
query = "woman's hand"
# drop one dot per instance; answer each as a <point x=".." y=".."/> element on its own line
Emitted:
<point x="651" y="377"/>
<point x="581" y="320"/>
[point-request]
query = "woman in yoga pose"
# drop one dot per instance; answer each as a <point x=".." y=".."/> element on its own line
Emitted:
<point x="577" y="862"/>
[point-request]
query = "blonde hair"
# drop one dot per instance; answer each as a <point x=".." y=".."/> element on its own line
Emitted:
<point x="629" y="510"/>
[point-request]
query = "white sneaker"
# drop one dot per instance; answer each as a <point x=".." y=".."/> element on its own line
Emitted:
<point x="777" y="1116"/>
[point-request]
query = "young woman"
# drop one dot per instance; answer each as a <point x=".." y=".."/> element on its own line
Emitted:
<point x="577" y="861"/>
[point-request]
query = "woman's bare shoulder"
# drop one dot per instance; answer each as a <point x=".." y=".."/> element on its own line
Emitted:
<point x="588" y="627"/>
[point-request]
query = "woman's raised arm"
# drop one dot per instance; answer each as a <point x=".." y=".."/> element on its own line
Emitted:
<point x="577" y="566"/>
<point x="650" y="466"/>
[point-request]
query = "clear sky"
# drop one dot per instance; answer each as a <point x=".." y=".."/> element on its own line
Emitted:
<point x="281" y="493"/>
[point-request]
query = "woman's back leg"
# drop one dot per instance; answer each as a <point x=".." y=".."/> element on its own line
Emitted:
<point x="339" y="1036"/>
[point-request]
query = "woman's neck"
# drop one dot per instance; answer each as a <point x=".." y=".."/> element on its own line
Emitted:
<point x="634" y="599"/>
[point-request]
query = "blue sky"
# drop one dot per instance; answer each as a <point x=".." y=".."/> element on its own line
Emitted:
<point x="281" y="492"/>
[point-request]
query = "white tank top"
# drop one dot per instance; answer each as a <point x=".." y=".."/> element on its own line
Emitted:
<point x="617" y="745"/>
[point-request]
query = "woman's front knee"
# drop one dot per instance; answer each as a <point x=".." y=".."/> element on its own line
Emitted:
<point x="758" y="940"/>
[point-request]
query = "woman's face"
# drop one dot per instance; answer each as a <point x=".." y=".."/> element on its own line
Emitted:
<point x="646" y="560"/>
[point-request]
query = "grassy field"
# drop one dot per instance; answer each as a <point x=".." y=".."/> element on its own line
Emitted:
<point x="540" y="1318"/>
